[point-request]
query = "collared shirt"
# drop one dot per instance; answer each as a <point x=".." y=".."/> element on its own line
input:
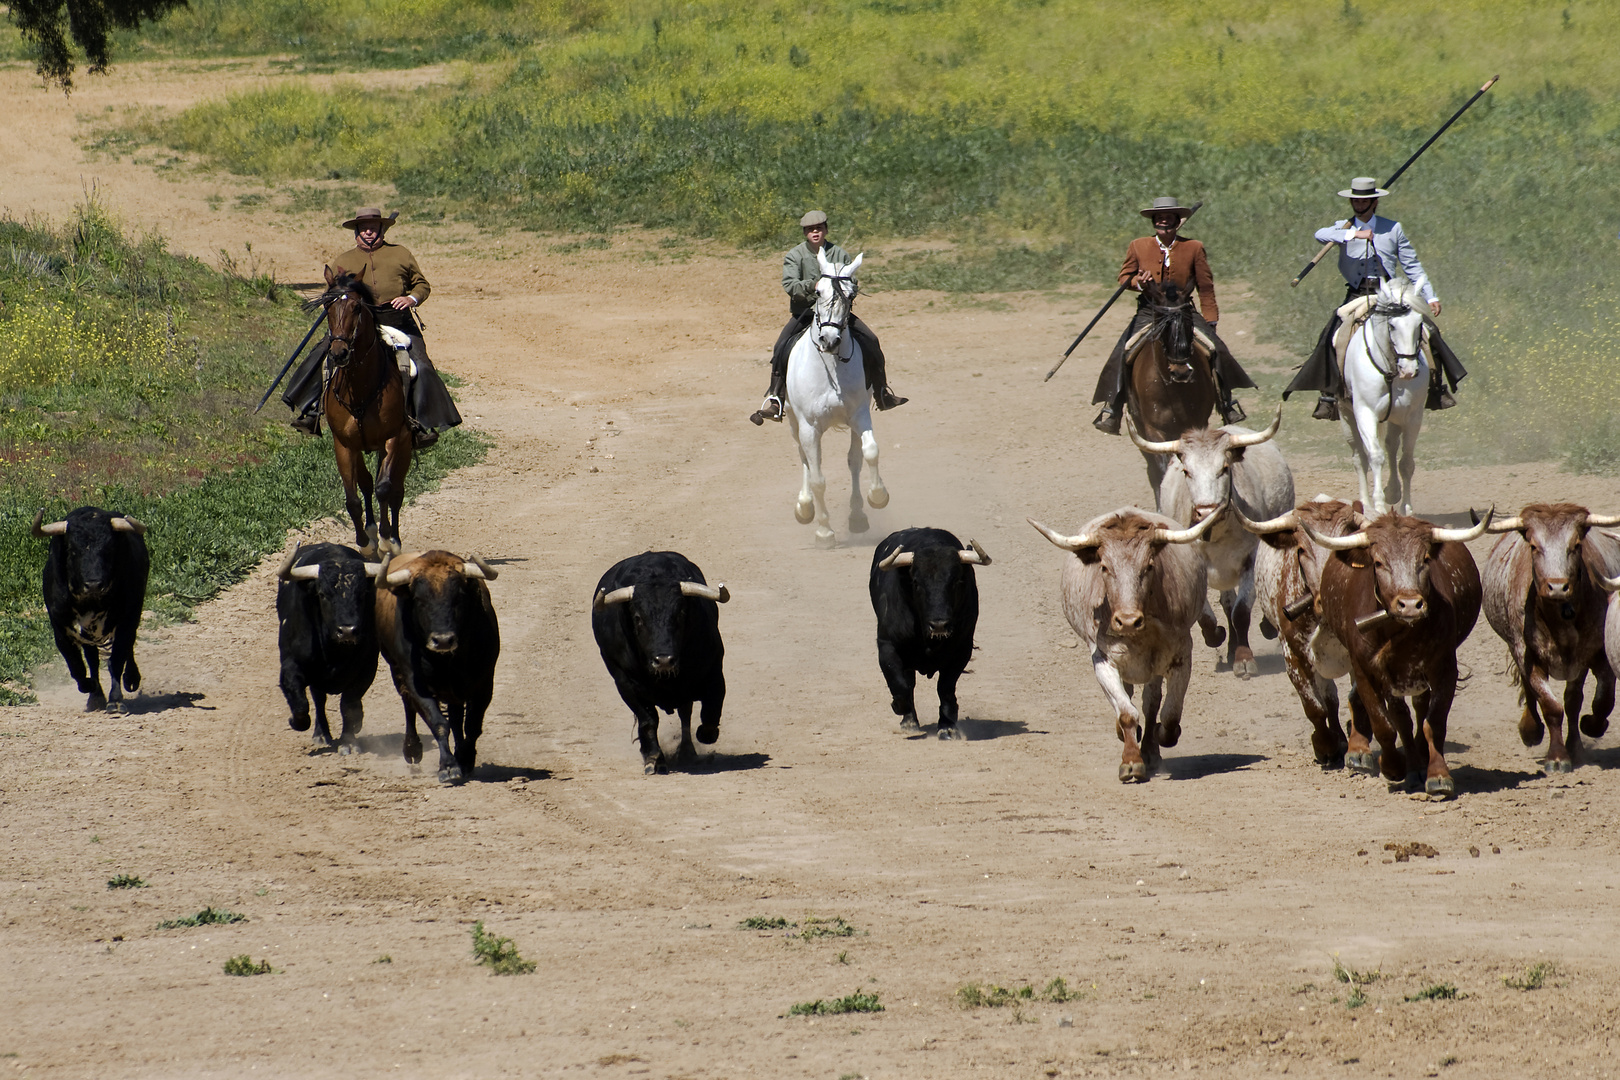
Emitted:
<point x="390" y="272"/>
<point x="800" y="271"/>
<point x="1184" y="263"/>
<point x="1388" y="249"/>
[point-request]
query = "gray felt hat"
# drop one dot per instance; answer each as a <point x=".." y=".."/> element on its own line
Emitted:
<point x="1363" y="187"/>
<point x="814" y="217"/>
<point x="370" y="213"/>
<point x="1164" y="204"/>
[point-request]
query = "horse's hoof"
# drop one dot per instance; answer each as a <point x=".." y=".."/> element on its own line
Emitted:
<point x="1133" y="772"/>
<point x="1442" y="786"/>
<point x="1362" y="761"/>
<point x="826" y="538"/>
<point x="345" y="749"/>
<point x="878" y="497"/>
<point x="1592" y="727"/>
<point x="450" y="774"/>
<point x="299" y="723"/>
<point x="655" y="767"/>
<point x="1554" y="766"/>
<point x="951" y="733"/>
<point x="1531" y="730"/>
<point x="908" y="723"/>
<point x="95" y="702"/>
<point x="1332" y="763"/>
<point x="1169" y="734"/>
<point x="804" y="512"/>
<point x="858" y="522"/>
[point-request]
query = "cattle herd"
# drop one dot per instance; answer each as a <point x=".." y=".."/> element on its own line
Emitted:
<point x="1384" y="600"/>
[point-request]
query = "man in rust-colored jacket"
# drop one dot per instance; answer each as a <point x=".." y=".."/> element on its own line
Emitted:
<point x="1168" y="256"/>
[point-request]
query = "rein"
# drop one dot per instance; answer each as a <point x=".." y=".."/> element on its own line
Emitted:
<point x="356" y="406"/>
<point x="842" y="325"/>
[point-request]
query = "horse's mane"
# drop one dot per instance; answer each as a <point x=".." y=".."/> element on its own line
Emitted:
<point x="1172" y="323"/>
<point x="344" y="283"/>
<point x="1405" y="298"/>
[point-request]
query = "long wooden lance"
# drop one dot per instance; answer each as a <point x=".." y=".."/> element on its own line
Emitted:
<point x="288" y="365"/>
<point x="1391" y="181"/>
<point x="1104" y="309"/>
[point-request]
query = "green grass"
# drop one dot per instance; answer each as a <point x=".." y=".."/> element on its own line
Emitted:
<point x="498" y="954"/>
<point x="858" y="1002"/>
<point x="244" y="965"/>
<point x="834" y="927"/>
<point x="1437" y="992"/>
<point x="765" y="922"/>
<point x="976" y="995"/>
<point x="1534" y="978"/>
<point x="208" y="916"/>
<point x="126" y="881"/>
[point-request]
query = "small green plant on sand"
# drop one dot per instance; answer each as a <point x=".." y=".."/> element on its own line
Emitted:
<point x="765" y="922"/>
<point x="498" y="953"/>
<point x="1357" y="981"/>
<point x="125" y="881"/>
<point x="820" y="928"/>
<point x="988" y="995"/>
<point x="1534" y="978"/>
<point x="858" y="1002"/>
<point x="1437" y="992"/>
<point x="244" y="965"/>
<point x="208" y="916"/>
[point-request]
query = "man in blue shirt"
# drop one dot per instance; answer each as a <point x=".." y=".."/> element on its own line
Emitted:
<point x="1370" y="249"/>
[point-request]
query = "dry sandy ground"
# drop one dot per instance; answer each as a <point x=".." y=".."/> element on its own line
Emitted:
<point x="1197" y="916"/>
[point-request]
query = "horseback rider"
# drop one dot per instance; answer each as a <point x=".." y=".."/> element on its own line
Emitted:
<point x="800" y="271"/>
<point x="1168" y="256"/>
<point x="1370" y="248"/>
<point x="390" y="271"/>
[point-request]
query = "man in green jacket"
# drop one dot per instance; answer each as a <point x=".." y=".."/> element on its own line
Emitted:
<point x="390" y="271"/>
<point x="800" y="270"/>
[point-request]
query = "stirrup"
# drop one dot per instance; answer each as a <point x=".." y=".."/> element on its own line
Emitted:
<point x="1107" y="421"/>
<point x="1326" y="409"/>
<point x="1232" y="412"/>
<point x="886" y="399"/>
<point x="769" y="409"/>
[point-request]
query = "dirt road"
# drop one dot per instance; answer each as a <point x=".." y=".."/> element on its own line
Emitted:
<point x="1196" y="918"/>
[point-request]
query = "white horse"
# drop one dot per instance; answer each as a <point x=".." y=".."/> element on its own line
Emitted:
<point x="826" y="387"/>
<point x="1386" y="383"/>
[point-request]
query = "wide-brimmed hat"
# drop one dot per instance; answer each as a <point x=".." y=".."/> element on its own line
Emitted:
<point x="370" y="213"/>
<point x="1163" y="205"/>
<point x="1363" y="187"/>
<point x="814" y="217"/>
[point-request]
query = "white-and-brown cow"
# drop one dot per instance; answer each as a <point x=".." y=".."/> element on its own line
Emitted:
<point x="1544" y="597"/>
<point x="1132" y="593"/>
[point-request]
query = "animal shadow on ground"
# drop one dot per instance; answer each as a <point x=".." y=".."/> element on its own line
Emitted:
<point x="488" y="773"/>
<point x="1473" y="780"/>
<point x="720" y="763"/>
<point x="174" y="699"/>
<point x="979" y="730"/>
<point x="1197" y="766"/>
<point x="1603" y="757"/>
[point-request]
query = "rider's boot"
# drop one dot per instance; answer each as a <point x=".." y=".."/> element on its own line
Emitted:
<point x="1107" y="421"/>
<point x="771" y="407"/>
<point x="1439" y="396"/>
<point x="308" y="421"/>
<point x="1327" y="407"/>
<point x="1231" y="411"/>
<point x="421" y="437"/>
<point x="877" y="381"/>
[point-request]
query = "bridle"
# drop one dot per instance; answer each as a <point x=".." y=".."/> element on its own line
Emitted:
<point x="1388" y="312"/>
<point x="842" y="325"/>
<point x="348" y="340"/>
<point x="356" y="406"/>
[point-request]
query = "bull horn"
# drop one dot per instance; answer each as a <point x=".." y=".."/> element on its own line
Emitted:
<point x="1188" y="535"/>
<point x="1258" y="437"/>
<point x="396" y="577"/>
<point x="1067" y="543"/>
<point x="897" y="557"/>
<point x="618" y="596"/>
<point x="128" y="524"/>
<point x="1142" y="444"/>
<point x="1270" y="525"/>
<point x="55" y="528"/>
<point x="1610" y="584"/>
<point x="284" y="571"/>
<point x="372" y="568"/>
<point x="974" y="557"/>
<point x="1512" y="524"/>
<point x="718" y="593"/>
<point x="476" y="567"/>
<point x="1336" y="543"/>
<point x="304" y="573"/>
<point x="1602" y="521"/>
<point x="1462" y="536"/>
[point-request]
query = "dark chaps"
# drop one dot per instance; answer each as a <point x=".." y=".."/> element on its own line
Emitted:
<point x="871" y="352"/>
<point x="1320" y="371"/>
<point x="429" y="401"/>
<point x="1111" y="383"/>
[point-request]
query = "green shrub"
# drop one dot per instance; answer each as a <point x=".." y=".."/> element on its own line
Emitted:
<point x="244" y="965"/>
<point x="498" y="953"/>
<point x="208" y="916"/>
<point x="764" y="922"/>
<point x="126" y="881"/>
<point x="858" y="1002"/>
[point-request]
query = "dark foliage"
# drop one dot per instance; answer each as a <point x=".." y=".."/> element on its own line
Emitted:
<point x="47" y="24"/>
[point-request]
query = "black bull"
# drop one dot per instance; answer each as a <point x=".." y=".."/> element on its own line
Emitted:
<point x="657" y="624"/>
<point x="927" y="605"/>
<point x="95" y="584"/>
<point x="326" y="605"/>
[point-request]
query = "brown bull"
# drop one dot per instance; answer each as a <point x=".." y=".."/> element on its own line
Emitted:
<point x="1544" y="597"/>
<point x="437" y="628"/>
<point x="1132" y="594"/>
<point x="1288" y="580"/>
<point x="1402" y="595"/>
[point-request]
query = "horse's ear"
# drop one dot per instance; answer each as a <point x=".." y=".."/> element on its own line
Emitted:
<point x="856" y="265"/>
<point x="331" y="278"/>
<point x="825" y="263"/>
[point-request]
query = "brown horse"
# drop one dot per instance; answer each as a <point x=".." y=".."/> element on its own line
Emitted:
<point x="365" y="406"/>
<point x="1172" y="386"/>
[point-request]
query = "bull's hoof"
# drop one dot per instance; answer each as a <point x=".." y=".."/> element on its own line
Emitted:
<point x="951" y="734"/>
<point x="686" y="754"/>
<point x="908" y="723"/>
<point x="1267" y="630"/>
<point x="656" y="767"/>
<point x="95" y="702"/>
<point x="299" y="723"/>
<point x="858" y="522"/>
<point x="1331" y="763"/>
<point x="1362" y="761"/>
<point x="1214" y="638"/>
<point x="1169" y="734"/>
<point x="1442" y="787"/>
<point x="1245" y="668"/>
<point x="1554" y="766"/>
<point x="413" y="751"/>
<point x="1531" y="729"/>
<point x="1592" y="727"/>
<point x="825" y="538"/>
<point x="320" y="745"/>
<point x="878" y="497"/>
<point x="707" y="734"/>
<point x="804" y="512"/>
<point x="345" y="749"/>
<point x="450" y="774"/>
<point x="1133" y="772"/>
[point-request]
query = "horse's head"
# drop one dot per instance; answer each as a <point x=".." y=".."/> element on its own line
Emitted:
<point x="350" y="319"/>
<point x="835" y="290"/>
<point x="1399" y="303"/>
<point x="1172" y="326"/>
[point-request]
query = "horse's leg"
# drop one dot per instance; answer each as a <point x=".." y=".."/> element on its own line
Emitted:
<point x="351" y="467"/>
<point x="392" y="464"/>
<point x="804" y="511"/>
<point x="858" y="522"/>
<point x="1372" y="454"/>
<point x="816" y="481"/>
<point x="1155" y="473"/>
<point x="1408" y="458"/>
<point x="876" y="493"/>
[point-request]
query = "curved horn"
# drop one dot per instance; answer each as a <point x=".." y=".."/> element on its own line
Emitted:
<point x="897" y="557"/>
<point x="372" y="568"/>
<point x="1602" y="521"/>
<point x="475" y="567"/>
<point x="1067" y="543"/>
<point x="1270" y="525"/>
<point x="976" y="556"/>
<point x="285" y="570"/>
<point x="718" y="593"/>
<point x="304" y="573"/>
<point x="1512" y="524"/>
<point x="1260" y="436"/>
<point x="1610" y="584"/>
<point x="128" y="524"/>
<point x="55" y="528"/>
<point x="1187" y="536"/>
<point x="381" y="573"/>
<point x="392" y="577"/>
<point x="618" y="596"/>
<point x="1462" y="536"/>
<point x="1336" y="543"/>
<point x="1151" y="447"/>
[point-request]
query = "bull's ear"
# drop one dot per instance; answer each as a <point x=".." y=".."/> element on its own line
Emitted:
<point x="1088" y="554"/>
<point x="1360" y="557"/>
<point x="1280" y="541"/>
<point x="1235" y="453"/>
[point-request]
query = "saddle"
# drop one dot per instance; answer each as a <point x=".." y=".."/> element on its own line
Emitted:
<point x="1135" y="343"/>
<point x="1351" y="315"/>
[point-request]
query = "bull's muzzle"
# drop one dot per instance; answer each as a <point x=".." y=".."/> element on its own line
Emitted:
<point x="346" y="635"/>
<point x="939" y="628"/>
<point x="1203" y="510"/>
<point x="442" y="641"/>
<point x="1126" y="623"/>
<point x="663" y="664"/>
<point x="1557" y="589"/>
<point x="1409" y="607"/>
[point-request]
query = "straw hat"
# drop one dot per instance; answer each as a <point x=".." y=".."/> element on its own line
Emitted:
<point x="1363" y="187"/>
<point x="369" y="214"/>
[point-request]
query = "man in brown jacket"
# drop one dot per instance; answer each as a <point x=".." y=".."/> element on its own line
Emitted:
<point x="390" y="271"/>
<point x="1168" y="256"/>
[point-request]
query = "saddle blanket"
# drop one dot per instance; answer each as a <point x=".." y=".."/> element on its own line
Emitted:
<point x="400" y="342"/>
<point x="1351" y="316"/>
<point x="1134" y="343"/>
